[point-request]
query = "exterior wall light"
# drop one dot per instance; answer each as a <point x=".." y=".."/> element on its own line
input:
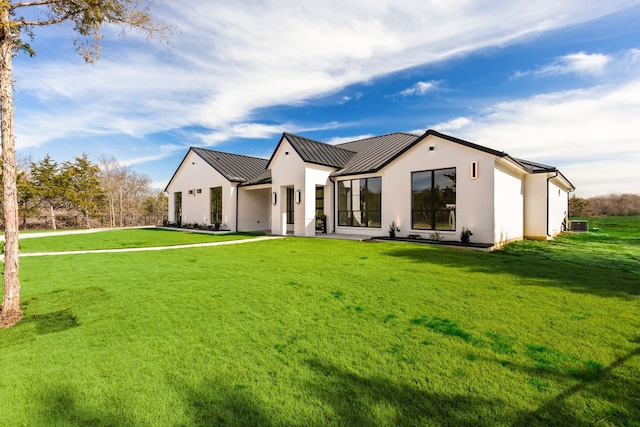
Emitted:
<point x="274" y="198"/>
<point x="298" y="197"/>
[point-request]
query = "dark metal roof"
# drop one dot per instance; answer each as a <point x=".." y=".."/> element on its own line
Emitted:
<point x="264" y="178"/>
<point x="536" y="167"/>
<point x="234" y="167"/>
<point x="316" y="152"/>
<point x="375" y="153"/>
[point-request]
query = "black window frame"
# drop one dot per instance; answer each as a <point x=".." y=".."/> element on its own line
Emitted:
<point x="290" y="205"/>
<point x="363" y="209"/>
<point x="215" y="205"/>
<point x="438" y="200"/>
<point x="177" y="207"/>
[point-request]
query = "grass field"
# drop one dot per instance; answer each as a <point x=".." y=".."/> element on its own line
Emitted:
<point x="120" y="239"/>
<point x="324" y="332"/>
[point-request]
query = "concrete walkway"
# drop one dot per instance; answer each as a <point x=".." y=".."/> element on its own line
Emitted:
<point x="105" y="251"/>
<point x="150" y="248"/>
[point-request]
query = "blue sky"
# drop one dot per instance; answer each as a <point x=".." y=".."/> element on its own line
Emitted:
<point x="553" y="82"/>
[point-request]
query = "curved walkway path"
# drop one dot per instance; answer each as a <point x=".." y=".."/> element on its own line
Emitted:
<point x="149" y="248"/>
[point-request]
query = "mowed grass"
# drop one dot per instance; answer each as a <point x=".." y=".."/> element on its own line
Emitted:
<point x="121" y="238"/>
<point x="325" y="332"/>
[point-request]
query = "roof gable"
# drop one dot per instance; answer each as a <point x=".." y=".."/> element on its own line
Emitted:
<point x="377" y="152"/>
<point x="316" y="152"/>
<point x="234" y="167"/>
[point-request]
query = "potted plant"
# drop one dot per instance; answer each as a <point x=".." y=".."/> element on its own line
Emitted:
<point x="392" y="230"/>
<point x="323" y="222"/>
<point x="466" y="234"/>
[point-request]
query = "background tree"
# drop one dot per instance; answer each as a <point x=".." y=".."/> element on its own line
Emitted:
<point x="49" y="185"/>
<point x="87" y="18"/>
<point x="579" y="207"/>
<point x="83" y="187"/>
<point x="156" y="208"/>
<point x="112" y="176"/>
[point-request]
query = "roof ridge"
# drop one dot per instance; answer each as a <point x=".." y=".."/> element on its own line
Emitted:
<point x="377" y="136"/>
<point x="226" y="152"/>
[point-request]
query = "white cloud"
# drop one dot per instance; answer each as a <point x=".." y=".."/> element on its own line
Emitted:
<point x="581" y="63"/>
<point x="233" y="58"/>
<point x="343" y="139"/>
<point x="421" y="88"/>
<point x="590" y="134"/>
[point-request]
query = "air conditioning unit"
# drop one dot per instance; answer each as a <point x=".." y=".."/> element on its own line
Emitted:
<point x="579" y="226"/>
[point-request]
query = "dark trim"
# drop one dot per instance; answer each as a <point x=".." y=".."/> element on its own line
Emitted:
<point x="549" y="178"/>
<point x="237" y="205"/>
<point x="428" y="133"/>
<point x="166" y="189"/>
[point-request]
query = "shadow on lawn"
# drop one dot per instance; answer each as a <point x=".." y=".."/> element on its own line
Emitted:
<point x="63" y="405"/>
<point x="359" y="401"/>
<point x="617" y="398"/>
<point x="596" y="280"/>
<point x="218" y="404"/>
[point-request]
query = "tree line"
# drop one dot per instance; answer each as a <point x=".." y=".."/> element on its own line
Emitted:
<point x="81" y="193"/>
<point x="607" y="205"/>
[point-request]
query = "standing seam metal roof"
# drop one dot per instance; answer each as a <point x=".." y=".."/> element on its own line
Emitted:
<point x="234" y="167"/>
<point x="319" y="153"/>
<point x="375" y="153"/>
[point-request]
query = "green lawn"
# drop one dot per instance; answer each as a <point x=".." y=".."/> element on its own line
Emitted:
<point x="119" y="239"/>
<point x="324" y="332"/>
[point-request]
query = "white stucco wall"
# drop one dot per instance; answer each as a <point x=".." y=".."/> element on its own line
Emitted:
<point x="316" y="176"/>
<point x="508" y="203"/>
<point x="287" y="170"/>
<point x="535" y="206"/>
<point x="254" y="205"/>
<point x="193" y="174"/>
<point x="558" y="206"/>
<point x="474" y="197"/>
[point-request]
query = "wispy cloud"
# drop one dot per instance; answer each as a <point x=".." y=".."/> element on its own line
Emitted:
<point x="576" y="63"/>
<point x="232" y="60"/>
<point x="421" y="88"/>
<point x="343" y="139"/>
<point x="589" y="132"/>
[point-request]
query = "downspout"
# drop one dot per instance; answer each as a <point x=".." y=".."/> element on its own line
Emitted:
<point x="237" y="206"/>
<point x="335" y="206"/>
<point x="549" y="179"/>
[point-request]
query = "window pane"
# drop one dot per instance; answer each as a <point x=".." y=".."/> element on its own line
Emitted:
<point x="446" y="220"/>
<point x="373" y="219"/>
<point x="215" y="199"/>
<point x="421" y="181"/>
<point x="357" y="220"/>
<point x="422" y="220"/>
<point x="344" y="195"/>
<point x="344" y="218"/>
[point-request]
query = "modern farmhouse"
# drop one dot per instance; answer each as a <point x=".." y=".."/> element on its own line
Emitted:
<point x="432" y="185"/>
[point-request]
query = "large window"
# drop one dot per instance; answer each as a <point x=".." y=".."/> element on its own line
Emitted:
<point x="290" y="205"/>
<point x="177" y="207"/>
<point x="433" y="200"/>
<point x="359" y="202"/>
<point x="319" y="206"/>
<point x="216" y="205"/>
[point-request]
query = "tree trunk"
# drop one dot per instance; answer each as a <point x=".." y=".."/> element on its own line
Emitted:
<point x="53" y="217"/>
<point x="11" y="313"/>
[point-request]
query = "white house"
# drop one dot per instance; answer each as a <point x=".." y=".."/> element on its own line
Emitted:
<point x="430" y="185"/>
